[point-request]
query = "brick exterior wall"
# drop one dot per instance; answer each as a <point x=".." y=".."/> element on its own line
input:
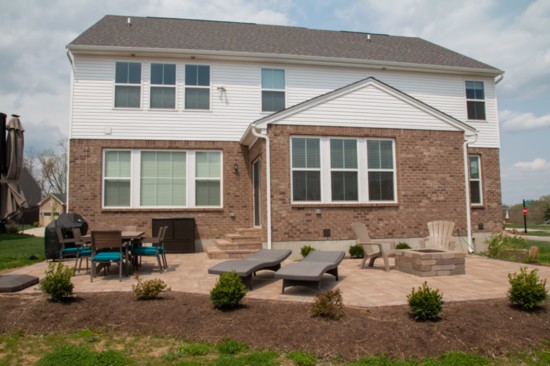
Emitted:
<point x="430" y="186"/>
<point x="490" y="213"/>
<point x="85" y="181"/>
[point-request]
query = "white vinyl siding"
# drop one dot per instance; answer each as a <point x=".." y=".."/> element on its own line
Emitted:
<point x="476" y="192"/>
<point x="162" y="179"/>
<point x="232" y="110"/>
<point x="336" y="170"/>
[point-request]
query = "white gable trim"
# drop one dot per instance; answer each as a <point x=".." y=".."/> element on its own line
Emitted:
<point x="279" y="117"/>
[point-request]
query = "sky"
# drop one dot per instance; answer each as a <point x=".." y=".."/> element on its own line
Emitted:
<point x="512" y="35"/>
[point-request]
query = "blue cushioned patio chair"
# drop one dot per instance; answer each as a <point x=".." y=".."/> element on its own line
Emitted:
<point x="107" y="248"/>
<point x="69" y="247"/>
<point x="156" y="249"/>
<point x="85" y="249"/>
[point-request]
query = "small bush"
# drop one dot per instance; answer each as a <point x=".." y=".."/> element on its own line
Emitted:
<point x="12" y="229"/>
<point x="231" y="347"/>
<point x="306" y="249"/>
<point x="527" y="291"/>
<point x="425" y="304"/>
<point x="328" y="305"/>
<point x="301" y="358"/>
<point x="194" y="349"/>
<point x="402" y="245"/>
<point x="57" y="282"/>
<point x="78" y="355"/>
<point x="149" y="289"/>
<point x="501" y="246"/>
<point x="356" y="251"/>
<point x="228" y="291"/>
<point x="36" y="224"/>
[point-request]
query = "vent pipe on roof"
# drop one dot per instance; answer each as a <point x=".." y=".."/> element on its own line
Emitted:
<point x="129" y="22"/>
<point x="368" y="37"/>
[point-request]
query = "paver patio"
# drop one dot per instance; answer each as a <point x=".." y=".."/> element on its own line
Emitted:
<point x="484" y="279"/>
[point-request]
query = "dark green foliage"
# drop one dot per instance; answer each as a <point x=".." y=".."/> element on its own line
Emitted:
<point x="527" y="291"/>
<point x="149" y="289"/>
<point x="228" y="291"/>
<point x="262" y="358"/>
<point x="402" y="245"/>
<point x="231" y="347"/>
<point x="12" y="229"/>
<point x="82" y="356"/>
<point x="501" y="246"/>
<point x="57" y="282"/>
<point x="306" y="249"/>
<point x="36" y="224"/>
<point x="356" y="251"/>
<point x="301" y="358"/>
<point x="328" y="305"/>
<point x="425" y="304"/>
<point x="194" y="349"/>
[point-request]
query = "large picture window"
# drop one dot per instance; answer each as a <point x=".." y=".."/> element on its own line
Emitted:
<point x="475" y="100"/>
<point x="476" y="197"/>
<point x="128" y="85"/>
<point x="197" y="87"/>
<point x="333" y="170"/>
<point x="163" y="86"/>
<point x="273" y="90"/>
<point x="306" y="169"/>
<point x="161" y="178"/>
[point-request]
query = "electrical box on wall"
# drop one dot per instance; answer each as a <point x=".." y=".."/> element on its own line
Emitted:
<point x="326" y="233"/>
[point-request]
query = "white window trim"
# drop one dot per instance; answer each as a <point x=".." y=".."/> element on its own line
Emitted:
<point x="135" y="175"/>
<point x="175" y="86"/>
<point x="115" y="84"/>
<point x="325" y="168"/>
<point x="209" y="88"/>
<point x="275" y="90"/>
<point x="480" y="180"/>
<point x="484" y="100"/>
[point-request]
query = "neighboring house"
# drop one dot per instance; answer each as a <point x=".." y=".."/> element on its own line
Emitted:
<point x="50" y="208"/>
<point x="294" y="131"/>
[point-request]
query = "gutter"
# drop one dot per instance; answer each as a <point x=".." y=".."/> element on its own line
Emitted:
<point x="268" y="177"/>
<point x="467" y="192"/>
<point x="71" y="61"/>
<point x="499" y="79"/>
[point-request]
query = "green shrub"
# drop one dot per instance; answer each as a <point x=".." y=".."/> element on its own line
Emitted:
<point x="78" y="355"/>
<point x="328" y="305"/>
<point x="425" y="304"/>
<point x="500" y="246"/>
<point x="527" y="291"/>
<point x="57" y="282"/>
<point x="36" y="224"/>
<point x="231" y="347"/>
<point x="301" y="358"/>
<point x="149" y="289"/>
<point x="306" y="249"/>
<point x="194" y="349"/>
<point x="12" y="229"/>
<point x="402" y="245"/>
<point x="228" y="291"/>
<point x="356" y="251"/>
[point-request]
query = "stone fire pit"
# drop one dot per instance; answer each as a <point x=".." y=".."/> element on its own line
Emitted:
<point x="430" y="262"/>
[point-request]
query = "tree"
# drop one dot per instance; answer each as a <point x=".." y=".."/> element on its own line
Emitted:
<point x="547" y="214"/>
<point x="49" y="168"/>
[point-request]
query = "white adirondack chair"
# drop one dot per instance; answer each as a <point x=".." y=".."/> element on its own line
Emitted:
<point x="441" y="235"/>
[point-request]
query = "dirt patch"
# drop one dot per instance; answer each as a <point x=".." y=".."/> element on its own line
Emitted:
<point x="488" y="327"/>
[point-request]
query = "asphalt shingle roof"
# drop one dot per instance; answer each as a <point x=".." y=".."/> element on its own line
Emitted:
<point x="203" y="35"/>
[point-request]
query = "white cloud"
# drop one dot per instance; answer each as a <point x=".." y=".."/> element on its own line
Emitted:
<point x="514" y="121"/>
<point x="538" y="164"/>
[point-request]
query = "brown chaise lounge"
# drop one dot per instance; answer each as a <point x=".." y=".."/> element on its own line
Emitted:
<point x="246" y="268"/>
<point x="311" y="269"/>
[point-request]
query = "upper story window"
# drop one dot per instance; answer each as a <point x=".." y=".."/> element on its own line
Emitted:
<point x="163" y="86"/>
<point x="273" y="90"/>
<point x="128" y="85"/>
<point x="475" y="100"/>
<point x="476" y="196"/>
<point x="197" y="87"/>
<point x="335" y="170"/>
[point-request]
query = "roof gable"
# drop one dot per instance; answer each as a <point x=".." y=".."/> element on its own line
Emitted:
<point x="164" y="35"/>
<point x="368" y="103"/>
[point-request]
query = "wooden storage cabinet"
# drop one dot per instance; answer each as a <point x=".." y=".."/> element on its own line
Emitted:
<point x="180" y="236"/>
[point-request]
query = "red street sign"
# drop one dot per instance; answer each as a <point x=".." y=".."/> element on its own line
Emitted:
<point x="525" y="210"/>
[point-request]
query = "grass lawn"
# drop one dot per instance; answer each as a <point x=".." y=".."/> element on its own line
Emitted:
<point x="18" y="250"/>
<point x="538" y="233"/>
<point x="88" y="347"/>
<point x="529" y="226"/>
<point x="544" y="250"/>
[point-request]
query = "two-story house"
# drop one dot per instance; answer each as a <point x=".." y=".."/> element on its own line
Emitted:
<point x="293" y="131"/>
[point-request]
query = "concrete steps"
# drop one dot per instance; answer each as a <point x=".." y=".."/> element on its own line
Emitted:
<point x="237" y="245"/>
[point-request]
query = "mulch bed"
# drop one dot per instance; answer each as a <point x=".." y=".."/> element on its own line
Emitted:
<point x="489" y="327"/>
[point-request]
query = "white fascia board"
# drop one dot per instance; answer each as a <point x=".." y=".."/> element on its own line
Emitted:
<point x="272" y="57"/>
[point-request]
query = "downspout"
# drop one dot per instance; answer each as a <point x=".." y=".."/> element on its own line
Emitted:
<point x="268" y="178"/>
<point x="71" y="61"/>
<point x="467" y="191"/>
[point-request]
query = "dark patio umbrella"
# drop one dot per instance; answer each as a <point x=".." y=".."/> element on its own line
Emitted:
<point x="12" y="199"/>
